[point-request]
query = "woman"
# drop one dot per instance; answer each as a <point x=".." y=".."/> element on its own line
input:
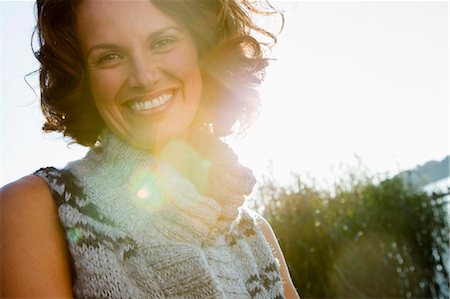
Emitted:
<point x="153" y="210"/>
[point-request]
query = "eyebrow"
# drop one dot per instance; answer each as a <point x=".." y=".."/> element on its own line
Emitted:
<point x="151" y="36"/>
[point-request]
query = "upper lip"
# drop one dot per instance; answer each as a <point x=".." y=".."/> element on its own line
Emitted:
<point x="149" y="96"/>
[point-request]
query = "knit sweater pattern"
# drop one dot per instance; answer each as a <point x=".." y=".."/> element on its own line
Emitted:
<point x="137" y="228"/>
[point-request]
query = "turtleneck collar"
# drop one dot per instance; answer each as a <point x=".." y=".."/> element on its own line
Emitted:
<point x="193" y="190"/>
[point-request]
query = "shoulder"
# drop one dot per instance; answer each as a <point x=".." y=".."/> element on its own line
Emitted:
<point x="38" y="195"/>
<point x="264" y="226"/>
<point x="30" y="192"/>
<point x="248" y="215"/>
<point x="26" y="205"/>
<point x="269" y="235"/>
<point x="34" y="251"/>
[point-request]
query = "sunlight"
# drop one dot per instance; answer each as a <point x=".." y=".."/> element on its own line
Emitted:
<point x="188" y="162"/>
<point x="146" y="190"/>
<point x="339" y="95"/>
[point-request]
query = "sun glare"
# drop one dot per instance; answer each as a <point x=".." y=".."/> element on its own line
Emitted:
<point x="146" y="189"/>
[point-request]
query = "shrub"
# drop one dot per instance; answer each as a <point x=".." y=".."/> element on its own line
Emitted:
<point x="362" y="239"/>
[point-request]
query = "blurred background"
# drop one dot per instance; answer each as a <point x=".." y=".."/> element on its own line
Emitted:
<point x="351" y="146"/>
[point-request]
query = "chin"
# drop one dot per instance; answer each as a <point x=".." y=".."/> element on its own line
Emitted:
<point x="155" y="143"/>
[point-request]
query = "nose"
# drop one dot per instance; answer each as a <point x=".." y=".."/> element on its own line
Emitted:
<point x="142" y="75"/>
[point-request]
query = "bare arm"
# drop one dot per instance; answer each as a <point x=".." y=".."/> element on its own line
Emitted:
<point x="34" y="258"/>
<point x="288" y="286"/>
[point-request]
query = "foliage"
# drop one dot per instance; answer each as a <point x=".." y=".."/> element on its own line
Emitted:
<point x="363" y="239"/>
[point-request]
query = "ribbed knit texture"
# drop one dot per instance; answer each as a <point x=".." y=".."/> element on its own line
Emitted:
<point x="138" y="228"/>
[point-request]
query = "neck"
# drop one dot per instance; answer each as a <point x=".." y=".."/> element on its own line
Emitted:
<point x="204" y="160"/>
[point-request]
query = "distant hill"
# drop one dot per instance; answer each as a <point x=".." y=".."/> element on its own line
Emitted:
<point x="427" y="173"/>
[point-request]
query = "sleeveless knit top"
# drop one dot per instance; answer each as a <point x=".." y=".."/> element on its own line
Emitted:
<point x="137" y="229"/>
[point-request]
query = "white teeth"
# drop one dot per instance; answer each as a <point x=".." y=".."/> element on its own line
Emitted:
<point x="147" y="105"/>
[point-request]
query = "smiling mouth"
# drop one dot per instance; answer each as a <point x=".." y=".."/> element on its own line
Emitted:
<point x="152" y="104"/>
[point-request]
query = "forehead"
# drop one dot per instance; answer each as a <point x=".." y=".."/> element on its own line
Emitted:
<point x="118" y="18"/>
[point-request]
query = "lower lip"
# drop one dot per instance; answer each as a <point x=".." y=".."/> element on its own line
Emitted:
<point x="158" y="111"/>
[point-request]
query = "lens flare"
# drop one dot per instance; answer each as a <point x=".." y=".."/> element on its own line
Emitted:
<point x="188" y="162"/>
<point x="142" y="193"/>
<point x="146" y="188"/>
<point x="73" y="235"/>
<point x="151" y="184"/>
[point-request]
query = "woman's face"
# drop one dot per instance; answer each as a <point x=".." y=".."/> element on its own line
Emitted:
<point x="142" y="70"/>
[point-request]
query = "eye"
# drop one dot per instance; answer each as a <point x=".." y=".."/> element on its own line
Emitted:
<point x="164" y="43"/>
<point x="108" y="59"/>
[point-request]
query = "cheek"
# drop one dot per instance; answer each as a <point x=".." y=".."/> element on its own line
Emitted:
<point x="193" y="83"/>
<point x="105" y="85"/>
<point x="184" y="66"/>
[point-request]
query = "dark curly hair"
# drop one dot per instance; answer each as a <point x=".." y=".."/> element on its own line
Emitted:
<point x="232" y="64"/>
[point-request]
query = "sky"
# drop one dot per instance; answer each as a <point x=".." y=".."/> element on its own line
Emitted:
<point x="352" y="82"/>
